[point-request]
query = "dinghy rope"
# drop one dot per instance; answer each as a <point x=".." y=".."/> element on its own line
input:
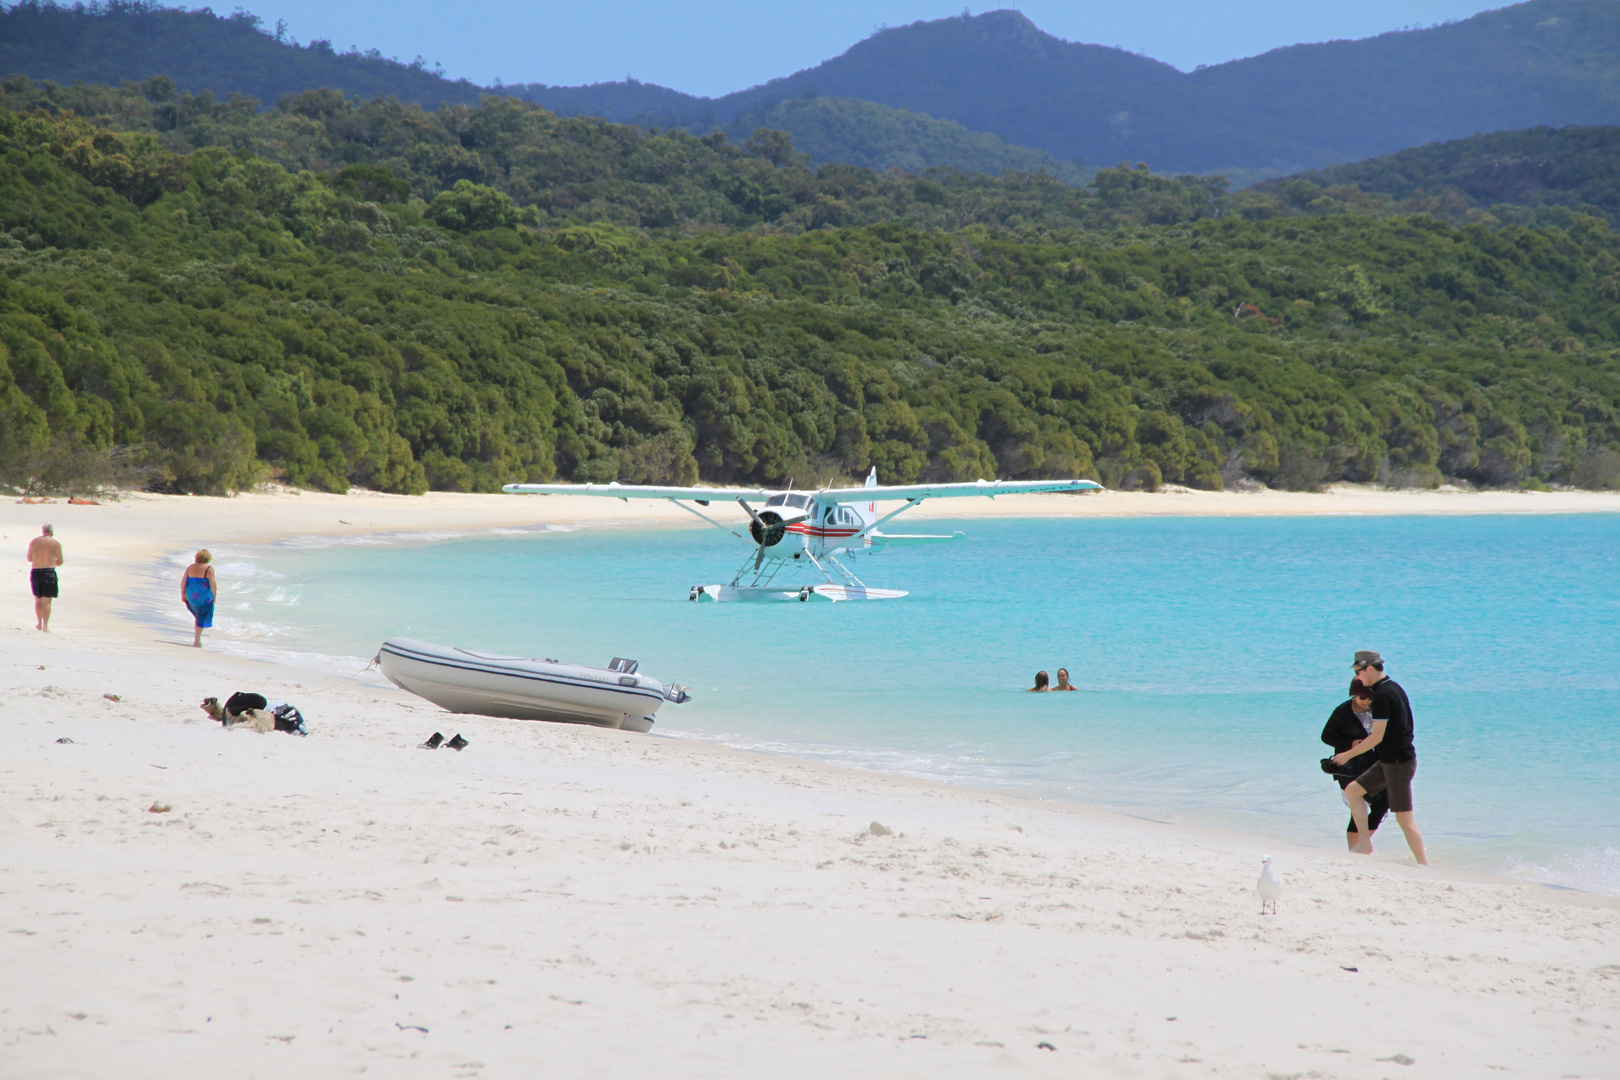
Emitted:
<point x="340" y="682"/>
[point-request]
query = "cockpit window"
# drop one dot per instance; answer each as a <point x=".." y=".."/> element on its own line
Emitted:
<point x="798" y="500"/>
<point x="776" y="500"/>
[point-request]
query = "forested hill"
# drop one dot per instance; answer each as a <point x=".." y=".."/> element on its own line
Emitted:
<point x="851" y="132"/>
<point x="584" y="170"/>
<point x="233" y="54"/>
<point x="1551" y="62"/>
<point x="199" y="51"/>
<point x="1572" y="167"/>
<point x="226" y="320"/>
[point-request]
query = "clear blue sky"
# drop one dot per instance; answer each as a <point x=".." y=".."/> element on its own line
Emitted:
<point x="713" y="47"/>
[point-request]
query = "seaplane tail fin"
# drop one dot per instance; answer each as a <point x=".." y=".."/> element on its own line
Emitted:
<point x="871" y="477"/>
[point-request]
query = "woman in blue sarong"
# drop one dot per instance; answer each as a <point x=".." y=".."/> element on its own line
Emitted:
<point x="198" y="589"/>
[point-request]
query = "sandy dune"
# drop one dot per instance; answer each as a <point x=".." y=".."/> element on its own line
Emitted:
<point x="567" y="902"/>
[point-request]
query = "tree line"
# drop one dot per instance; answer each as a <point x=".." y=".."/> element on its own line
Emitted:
<point x="216" y="316"/>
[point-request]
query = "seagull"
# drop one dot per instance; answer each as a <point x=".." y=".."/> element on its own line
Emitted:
<point x="1268" y="887"/>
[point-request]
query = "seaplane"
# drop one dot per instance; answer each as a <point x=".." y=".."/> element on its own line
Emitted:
<point x="808" y="533"/>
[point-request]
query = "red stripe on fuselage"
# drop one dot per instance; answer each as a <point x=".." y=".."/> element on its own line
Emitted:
<point x="812" y="530"/>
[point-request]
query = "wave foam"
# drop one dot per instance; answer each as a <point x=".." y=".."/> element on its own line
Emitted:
<point x="1594" y="870"/>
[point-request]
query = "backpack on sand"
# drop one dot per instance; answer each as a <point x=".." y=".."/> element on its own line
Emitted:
<point x="288" y="719"/>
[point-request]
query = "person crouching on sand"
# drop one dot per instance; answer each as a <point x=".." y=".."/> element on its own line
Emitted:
<point x="1350" y="723"/>
<point x="198" y="589"/>
<point x="44" y="555"/>
<point x="1397" y="760"/>
<point x="1041" y="681"/>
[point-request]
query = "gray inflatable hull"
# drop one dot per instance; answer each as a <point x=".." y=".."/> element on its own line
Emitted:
<point x="463" y="681"/>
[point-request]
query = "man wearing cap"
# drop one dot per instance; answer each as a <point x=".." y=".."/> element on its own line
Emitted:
<point x="1397" y="760"/>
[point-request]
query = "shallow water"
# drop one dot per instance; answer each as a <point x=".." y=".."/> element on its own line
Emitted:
<point x="1209" y="650"/>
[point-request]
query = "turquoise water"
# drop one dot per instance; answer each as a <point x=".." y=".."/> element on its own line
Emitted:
<point x="1209" y="650"/>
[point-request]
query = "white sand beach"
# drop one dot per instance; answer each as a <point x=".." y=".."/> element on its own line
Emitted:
<point x="180" y="900"/>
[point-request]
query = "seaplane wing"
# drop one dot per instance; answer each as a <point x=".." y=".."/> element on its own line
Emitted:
<point x="616" y="490"/>
<point x="919" y="492"/>
<point x="908" y="492"/>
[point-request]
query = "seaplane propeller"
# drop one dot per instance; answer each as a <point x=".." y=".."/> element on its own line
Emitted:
<point x="768" y="527"/>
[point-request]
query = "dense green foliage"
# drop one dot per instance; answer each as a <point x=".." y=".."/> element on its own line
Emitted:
<point x="1578" y="168"/>
<point x="585" y="170"/>
<point x="828" y="130"/>
<point x="234" y="319"/>
<point x="582" y="170"/>
<point x="1547" y="62"/>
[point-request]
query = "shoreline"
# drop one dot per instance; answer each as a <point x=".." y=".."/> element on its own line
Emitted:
<point x="103" y="541"/>
<point x="347" y="901"/>
<point x="265" y="643"/>
<point x="122" y="555"/>
<point x="189" y="899"/>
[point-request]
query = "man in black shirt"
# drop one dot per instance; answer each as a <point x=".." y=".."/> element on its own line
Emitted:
<point x="1397" y="760"/>
<point x="1350" y="723"/>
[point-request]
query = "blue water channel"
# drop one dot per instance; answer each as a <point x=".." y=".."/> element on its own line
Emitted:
<point x="1209" y="652"/>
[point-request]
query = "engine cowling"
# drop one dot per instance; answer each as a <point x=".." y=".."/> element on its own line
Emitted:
<point x="772" y="525"/>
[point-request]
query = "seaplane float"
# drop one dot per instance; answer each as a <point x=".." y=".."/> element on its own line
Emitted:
<point x="808" y="534"/>
<point x="464" y="681"/>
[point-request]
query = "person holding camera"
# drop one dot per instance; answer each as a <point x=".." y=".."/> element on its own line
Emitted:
<point x="1397" y="760"/>
<point x="1350" y="723"/>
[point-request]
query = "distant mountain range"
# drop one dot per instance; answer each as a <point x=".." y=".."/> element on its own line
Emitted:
<point x="984" y="93"/>
<point x="136" y="40"/>
<point x="1548" y="62"/>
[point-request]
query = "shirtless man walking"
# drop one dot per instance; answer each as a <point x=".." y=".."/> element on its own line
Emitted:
<point x="45" y="555"/>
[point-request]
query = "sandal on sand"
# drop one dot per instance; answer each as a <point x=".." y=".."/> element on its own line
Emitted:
<point x="456" y="743"/>
<point x="432" y="743"/>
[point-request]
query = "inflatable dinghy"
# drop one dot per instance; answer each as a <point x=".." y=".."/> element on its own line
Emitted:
<point x="464" y="681"/>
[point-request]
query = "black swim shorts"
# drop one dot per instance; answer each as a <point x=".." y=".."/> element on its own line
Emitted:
<point x="1395" y="776"/>
<point x="44" y="582"/>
